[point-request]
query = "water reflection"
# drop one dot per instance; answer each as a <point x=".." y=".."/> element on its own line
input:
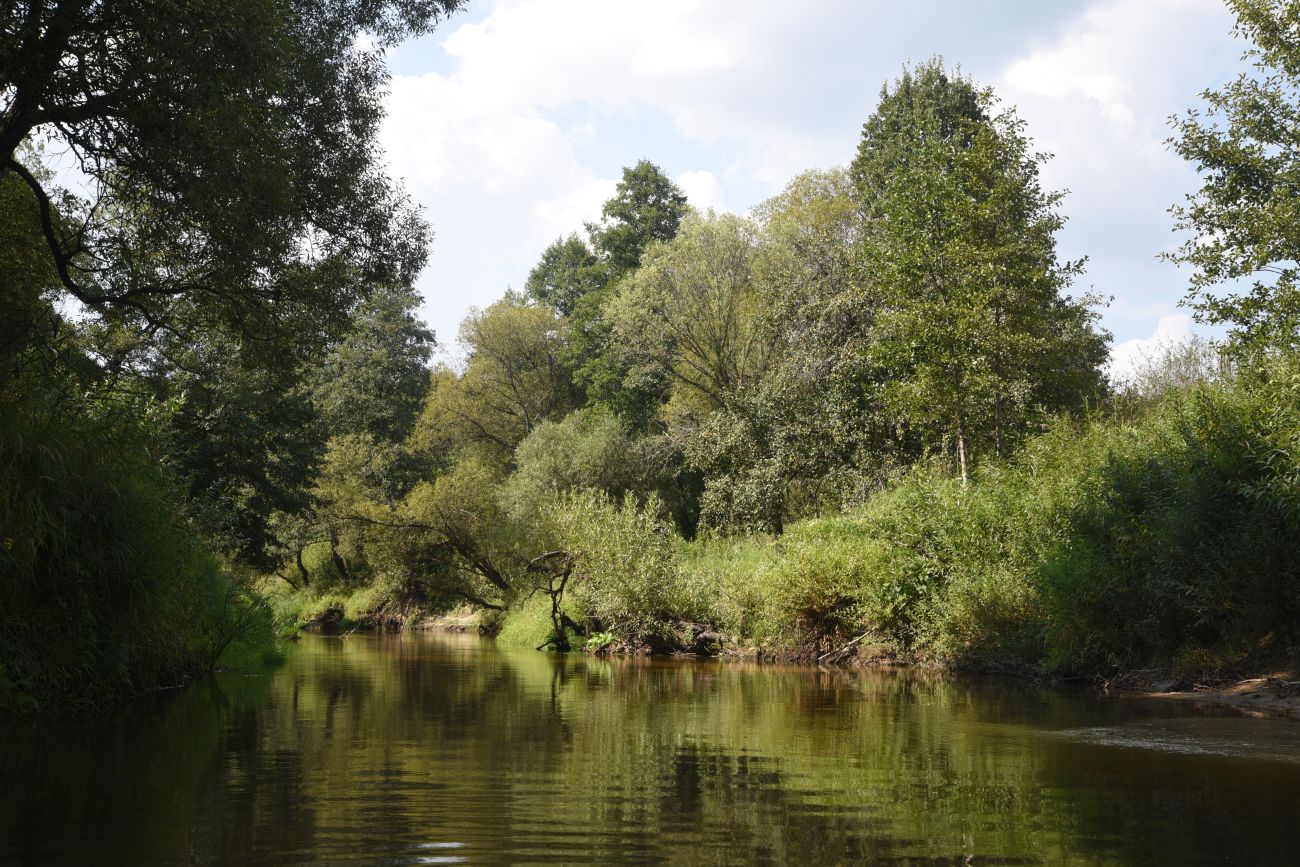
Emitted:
<point x="437" y="749"/>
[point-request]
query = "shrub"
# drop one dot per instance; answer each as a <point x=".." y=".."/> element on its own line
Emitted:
<point x="587" y="449"/>
<point x="1102" y="545"/>
<point x="731" y="574"/>
<point x="1190" y="543"/>
<point x="624" y="570"/>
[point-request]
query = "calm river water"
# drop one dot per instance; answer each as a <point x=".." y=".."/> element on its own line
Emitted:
<point x="418" y="749"/>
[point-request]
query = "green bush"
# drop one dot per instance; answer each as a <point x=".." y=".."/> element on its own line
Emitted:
<point x="1102" y="545"/>
<point x="624" y="570"/>
<point x="587" y="449"/>
<point x="731" y="574"/>
<point x="1189" y="546"/>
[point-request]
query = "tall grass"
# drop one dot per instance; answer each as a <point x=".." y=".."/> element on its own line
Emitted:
<point x="1102" y="546"/>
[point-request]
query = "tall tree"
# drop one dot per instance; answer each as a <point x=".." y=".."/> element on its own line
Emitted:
<point x="579" y="281"/>
<point x="1245" y="219"/>
<point x="646" y="207"/>
<point x="971" y="323"/>
<point x="793" y="441"/>
<point x="241" y="432"/>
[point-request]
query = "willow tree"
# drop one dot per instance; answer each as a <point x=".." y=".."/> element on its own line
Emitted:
<point x="691" y="313"/>
<point x="226" y="146"/>
<point x="516" y="377"/>
<point x="972" y="325"/>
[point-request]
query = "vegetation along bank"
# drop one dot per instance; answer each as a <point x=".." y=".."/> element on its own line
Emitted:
<point x="869" y="418"/>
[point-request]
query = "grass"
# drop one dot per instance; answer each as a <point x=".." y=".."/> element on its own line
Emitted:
<point x="527" y="624"/>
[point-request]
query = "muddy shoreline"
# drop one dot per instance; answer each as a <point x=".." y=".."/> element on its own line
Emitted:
<point x="1273" y="695"/>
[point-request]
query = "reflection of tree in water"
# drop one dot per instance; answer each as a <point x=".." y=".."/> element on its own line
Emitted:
<point x="380" y="748"/>
<point x="742" y="804"/>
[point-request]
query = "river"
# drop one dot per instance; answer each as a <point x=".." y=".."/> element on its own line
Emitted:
<point x="431" y="748"/>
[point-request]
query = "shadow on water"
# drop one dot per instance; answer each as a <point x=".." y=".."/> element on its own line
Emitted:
<point x="442" y="749"/>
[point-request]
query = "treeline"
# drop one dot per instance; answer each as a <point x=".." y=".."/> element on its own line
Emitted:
<point x="869" y="410"/>
<point x="734" y="374"/>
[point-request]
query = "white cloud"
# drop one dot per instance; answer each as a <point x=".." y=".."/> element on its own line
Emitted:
<point x="1127" y="357"/>
<point x="703" y="190"/>
<point x="491" y="148"/>
<point x="499" y="184"/>
<point x="1098" y="96"/>
<point x="518" y="135"/>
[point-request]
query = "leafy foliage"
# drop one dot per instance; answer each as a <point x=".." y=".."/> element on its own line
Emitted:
<point x="624" y="573"/>
<point x="229" y="148"/>
<point x="970" y="327"/>
<point x="1244" y="216"/>
<point x="104" y="588"/>
<point x="373" y="381"/>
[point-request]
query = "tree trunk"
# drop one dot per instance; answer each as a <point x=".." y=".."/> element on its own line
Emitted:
<point x="339" y="563"/>
<point x="302" y="570"/>
<point x="997" y="379"/>
<point x="961" y="449"/>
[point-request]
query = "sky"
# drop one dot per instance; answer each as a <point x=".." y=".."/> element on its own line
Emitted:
<point x="510" y="124"/>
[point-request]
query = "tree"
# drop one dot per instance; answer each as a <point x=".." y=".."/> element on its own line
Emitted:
<point x="792" y="440"/>
<point x="959" y="249"/>
<point x="25" y="290"/>
<point x="375" y="379"/>
<point x="241" y="433"/>
<point x="516" y="377"/>
<point x="368" y="394"/>
<point x="567" y="273"/>
<point x="586" y="450"/>
<point x="1245" y="219"/>
<point x="227" y="145"/>
<point x="821" y="399"/>
<point x="693" y="314"/>
<point x="925" y="101"/>
<point x="646" y="207"/>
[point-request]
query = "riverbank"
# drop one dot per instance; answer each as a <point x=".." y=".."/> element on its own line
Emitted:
<point x="1274" y="694"/>
<point x="1159" y="540"/>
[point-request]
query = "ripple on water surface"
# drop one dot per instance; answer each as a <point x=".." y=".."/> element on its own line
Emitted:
<point x="435" y="749"/>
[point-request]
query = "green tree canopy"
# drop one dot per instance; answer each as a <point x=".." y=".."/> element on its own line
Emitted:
<point x="691" y="312"/>
<point x="516" y="377"/>
<point x="923" y="101"/>
<point x="567" y="273"/>
<point x="1245" y="219"/>
<point x="646" y="207"/>
<point x="375" y="379"/>
<point x="227" y="146"/>
<point x="971" y="323"/>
